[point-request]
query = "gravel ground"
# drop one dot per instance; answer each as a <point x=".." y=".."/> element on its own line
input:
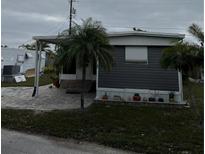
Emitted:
<point x="48" y="99"/>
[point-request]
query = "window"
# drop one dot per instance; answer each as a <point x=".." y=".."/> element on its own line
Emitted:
<point x="20" y="58"/>
<point x="70" y="69"/>
<point x="94" y="68"/>
<point x="136" y="54"/>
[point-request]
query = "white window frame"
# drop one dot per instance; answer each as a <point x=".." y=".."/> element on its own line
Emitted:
<point x="20" y="58"/>
<point x="134" y="51"/>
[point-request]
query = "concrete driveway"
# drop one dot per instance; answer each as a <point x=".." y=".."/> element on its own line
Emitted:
<point x="13" y="142"/>
<point x="48" y="99"/>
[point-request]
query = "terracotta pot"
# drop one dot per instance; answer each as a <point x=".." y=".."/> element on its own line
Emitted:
<point x="56" y="83"/>
<point x="136" y="98"/>
<point x="105" y="97"/>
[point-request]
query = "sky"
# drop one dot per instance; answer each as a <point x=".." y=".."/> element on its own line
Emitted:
<point x="22" y="19"/>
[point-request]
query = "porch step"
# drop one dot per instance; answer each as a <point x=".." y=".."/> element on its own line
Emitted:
<point x="73" y="91"/>
<point x="74" y="86"/>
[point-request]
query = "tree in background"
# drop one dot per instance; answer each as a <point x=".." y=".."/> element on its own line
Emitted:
<point x="4" y="46"/>
<point x="187" y="57"/>
<point x="32" y="46"/>
<point x="50" y="55"/>
<point x="87" y="43"/>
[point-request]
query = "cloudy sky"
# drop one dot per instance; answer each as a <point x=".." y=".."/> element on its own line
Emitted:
<point x="22" y="19"/>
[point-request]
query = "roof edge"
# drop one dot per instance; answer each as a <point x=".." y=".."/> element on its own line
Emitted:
<point x="119" y="34"/>
<point x="152" y="34"/>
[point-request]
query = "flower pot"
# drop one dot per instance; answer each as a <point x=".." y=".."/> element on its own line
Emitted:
<point x="56" y="83"/>
<point x="136" y="98"/>
<point x="144" y="99"/>
<point x="152" y="99"/>
<point x="171" y="97"/>
<point x="105" y="97"/>
<point x="160" y="100"/>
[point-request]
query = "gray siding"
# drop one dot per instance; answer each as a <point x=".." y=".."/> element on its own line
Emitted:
<point x="139" y="76"/>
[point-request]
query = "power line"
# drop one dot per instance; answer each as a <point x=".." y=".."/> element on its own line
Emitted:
<point x="72" y="12"/>
<point x="71" y="9"/>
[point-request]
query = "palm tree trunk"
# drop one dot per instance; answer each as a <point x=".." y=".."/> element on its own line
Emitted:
<point x="83" y="87"/>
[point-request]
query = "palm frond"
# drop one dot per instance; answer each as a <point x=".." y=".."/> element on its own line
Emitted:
<point x="89" y="41"/>
<point x="197" y="32"/>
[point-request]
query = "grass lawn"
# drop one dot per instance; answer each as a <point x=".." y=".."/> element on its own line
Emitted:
<point x="141" y="129"/>
<point x="43" y="80"/>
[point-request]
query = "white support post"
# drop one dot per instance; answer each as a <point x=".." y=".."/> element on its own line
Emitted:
<point x="38" y="68"/>
<point x="36" y="63"/>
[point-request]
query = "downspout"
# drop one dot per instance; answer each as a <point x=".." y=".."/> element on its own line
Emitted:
<point x="180" y="86"/>
<point x="97" y="75"/>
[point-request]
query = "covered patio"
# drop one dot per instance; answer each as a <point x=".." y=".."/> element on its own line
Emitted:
<point x="61" y="40"/>
<point x="44" y="98"/>
<point x="39" y="41"/>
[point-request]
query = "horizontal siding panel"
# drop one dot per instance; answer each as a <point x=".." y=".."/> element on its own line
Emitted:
<point x="134" y="80"/>
<point x="137" y="82"/>
<point x="140" y="76"/>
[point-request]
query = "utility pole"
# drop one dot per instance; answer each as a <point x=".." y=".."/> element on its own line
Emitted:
<point x="71" y="16"/>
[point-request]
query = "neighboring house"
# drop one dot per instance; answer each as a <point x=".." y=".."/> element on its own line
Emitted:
<point x="21" y="57"/>
<point x="136" y="68"/>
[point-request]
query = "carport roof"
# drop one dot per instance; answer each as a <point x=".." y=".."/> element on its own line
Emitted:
<point x="56" y="39"/>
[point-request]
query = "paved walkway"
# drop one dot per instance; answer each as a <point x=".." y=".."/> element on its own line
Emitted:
<point x="13" y="142"/>
<point x="48" y="99"/>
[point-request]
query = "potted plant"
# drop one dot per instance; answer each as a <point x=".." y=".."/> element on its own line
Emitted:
<point x="144" y="99"/>
<point x="105" y="97"/>
<point x="171" y="97"/>
<point x="136" y="97"/>
<point x="160" y="100"/>
<point x="152" y="99"/>
<point x="117" y="98"/>
<point x="55" y="79"/>
<point x="51" y="71"/>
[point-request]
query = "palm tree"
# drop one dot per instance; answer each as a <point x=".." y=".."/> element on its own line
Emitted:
<point x="87" y="43"/>
<point x="197" y="32"/>
<point x="189" y="59"/>
<point x="185" y="56"/>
